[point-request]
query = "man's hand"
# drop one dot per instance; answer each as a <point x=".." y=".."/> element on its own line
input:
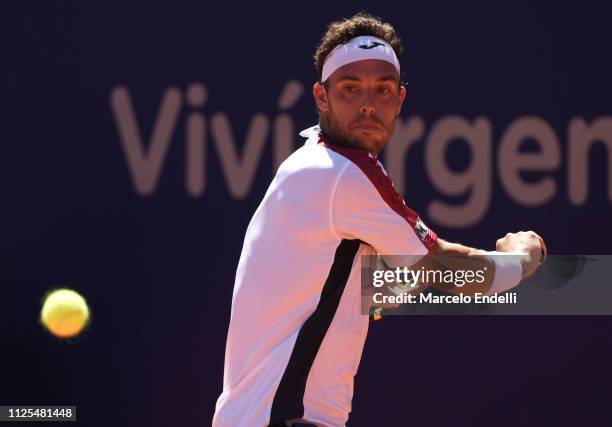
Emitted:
<point x="527" y="243"/>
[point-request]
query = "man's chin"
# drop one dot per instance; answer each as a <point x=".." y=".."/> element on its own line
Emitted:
<point x="370" y="142"/>
<point x="352" y="139"/>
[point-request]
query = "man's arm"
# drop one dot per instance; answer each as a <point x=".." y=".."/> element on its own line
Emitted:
<point x="527" y="249"/>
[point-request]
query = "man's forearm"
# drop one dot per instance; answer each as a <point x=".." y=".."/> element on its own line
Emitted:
<point x="455" y="256"/>
<point x="517" y="256"/>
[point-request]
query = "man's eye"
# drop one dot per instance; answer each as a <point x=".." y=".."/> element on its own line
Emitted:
<point x="350" y="89"/>
<point x="384" y="90"/>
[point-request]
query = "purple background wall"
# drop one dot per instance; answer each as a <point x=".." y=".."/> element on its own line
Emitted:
<point x="158" y="270"/>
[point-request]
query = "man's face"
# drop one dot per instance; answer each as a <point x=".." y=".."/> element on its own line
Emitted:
<point x="361" y="104"/>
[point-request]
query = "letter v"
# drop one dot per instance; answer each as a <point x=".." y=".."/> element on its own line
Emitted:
<point x="145" y="166"/>
<point x="239" y="172"/>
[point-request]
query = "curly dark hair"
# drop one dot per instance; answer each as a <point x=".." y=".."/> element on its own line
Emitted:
<point x="361" y="24"/>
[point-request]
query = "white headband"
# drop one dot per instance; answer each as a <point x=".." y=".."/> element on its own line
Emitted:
<point x="358" y="49"/>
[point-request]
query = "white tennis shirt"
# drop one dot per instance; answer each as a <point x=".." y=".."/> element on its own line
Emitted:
<point x="296" y="331"/>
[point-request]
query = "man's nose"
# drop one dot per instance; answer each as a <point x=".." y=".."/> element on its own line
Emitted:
<point x="367" y="106"/>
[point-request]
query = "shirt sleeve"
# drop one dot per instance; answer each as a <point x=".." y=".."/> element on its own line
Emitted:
<point x="367" y="207"/>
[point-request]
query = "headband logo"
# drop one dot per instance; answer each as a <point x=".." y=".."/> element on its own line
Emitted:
<point x="372" y="45"/>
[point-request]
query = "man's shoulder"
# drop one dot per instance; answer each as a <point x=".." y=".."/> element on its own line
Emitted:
<point x="315" y="156"/>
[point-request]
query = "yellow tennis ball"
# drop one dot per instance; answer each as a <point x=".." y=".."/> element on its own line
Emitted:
<point x="64" y="313"/>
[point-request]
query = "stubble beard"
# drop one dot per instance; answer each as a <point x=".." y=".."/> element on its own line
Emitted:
<point x="329" y="126"/>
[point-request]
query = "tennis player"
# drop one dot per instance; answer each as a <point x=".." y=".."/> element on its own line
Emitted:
<point x="296" y="331"/>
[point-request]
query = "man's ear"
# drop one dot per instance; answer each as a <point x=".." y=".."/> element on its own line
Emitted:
<point x="402" y="95"/>
<point x="320" y="96"/>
